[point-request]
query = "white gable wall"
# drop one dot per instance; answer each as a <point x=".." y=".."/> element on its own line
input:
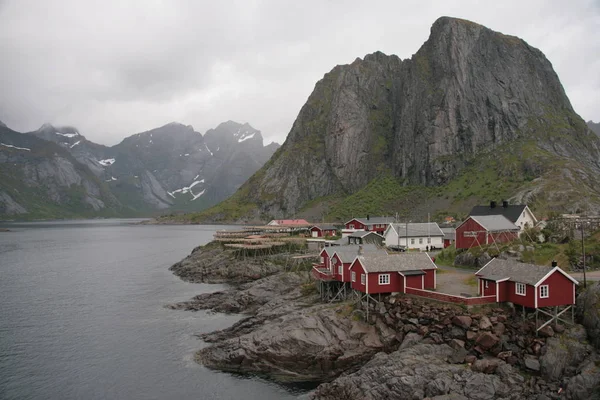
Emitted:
<point x="414" y="242"/>
<point x="526" y="219"/>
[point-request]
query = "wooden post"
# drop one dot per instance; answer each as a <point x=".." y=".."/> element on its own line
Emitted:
<point x="555" y="316"/>
<point x="367" y="309"/>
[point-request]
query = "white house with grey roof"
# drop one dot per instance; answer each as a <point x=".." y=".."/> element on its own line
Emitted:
<point x="419" y="235"/>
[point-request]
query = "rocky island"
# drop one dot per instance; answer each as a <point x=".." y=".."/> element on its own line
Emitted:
<point x="408" y="348"/>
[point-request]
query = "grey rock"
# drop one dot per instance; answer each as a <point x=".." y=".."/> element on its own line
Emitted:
<point x="588" y="312"/>
<point x="532" y="363"/>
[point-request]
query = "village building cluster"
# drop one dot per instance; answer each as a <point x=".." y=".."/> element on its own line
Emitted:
<point x="367" y="257"/>
<point x="371" y="256"/>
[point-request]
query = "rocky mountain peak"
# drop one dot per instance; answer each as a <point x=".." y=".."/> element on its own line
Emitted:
<point x="233" y="133"/>
<point x="468" y="90"/>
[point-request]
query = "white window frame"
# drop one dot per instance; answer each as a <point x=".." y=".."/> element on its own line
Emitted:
<point x="363" y="279"/>
<point x="519" y="286"/>
<point x="384" y="279"/>
<point x="412" y="240"/>
<point x="487" y="284"/>
<point x="353" y="276"/>
<point x="322" y="260"/>
<point x="350" y="226"/>
<point x="544" y="288"/>
<point x="429" y="240"/>
<point x="341" y="269"/>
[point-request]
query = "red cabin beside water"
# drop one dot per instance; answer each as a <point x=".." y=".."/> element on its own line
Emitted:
<point x="481" y="230"/>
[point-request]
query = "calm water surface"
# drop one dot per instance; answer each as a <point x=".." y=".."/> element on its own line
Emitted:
<point x="82" y="316"/>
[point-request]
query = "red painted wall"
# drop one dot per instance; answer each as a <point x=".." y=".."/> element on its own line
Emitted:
<point x="469" y="225"/>
<point x="357" y="268"/>
<point x="396" y="283"/>
<point x="357" y="225"/>
<point x="315" y="229"/>
<point x="430" y="278"/>
<point x="528" y="300"/>
<point x="490" y="290"/>
<point x="447" y="243"/>
<point x="414" y="281"/>
<point x="450" y="298"/>
<point x="560" y="291"/>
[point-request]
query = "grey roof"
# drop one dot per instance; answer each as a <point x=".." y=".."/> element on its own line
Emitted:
<point x="348" y="253"/>
<point x="324" y="226"/>
<point x="494" y="223"/>
<point x="449" y="233"/>
<point x="374" y="220"/>
<point x="413" y="273"/>
<point x="396" y="262"/>
<point x="329" y="250"/>
<point x="511" y="211"/>
<point x="340" y="242"/>
<point x="418" y="229"/>
<point x="362" y="234"/>
<point x="515" y="271"/>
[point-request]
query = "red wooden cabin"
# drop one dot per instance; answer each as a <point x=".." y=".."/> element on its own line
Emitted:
<point x="486" y="229"/>
<point x="345" y="255"/>
<point x="528" y="285"/>
<point x="376" y="273"/>
<point x="323" y="230"/>
<point x="374" y="224"/>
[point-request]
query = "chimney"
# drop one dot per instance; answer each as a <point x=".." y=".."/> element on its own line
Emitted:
<point x="367" y="217"/>
<point x="360" y="250"/>
<point x="504" y="203"/>
<point x="492" y="204"/>
<point x="554" y="264"/>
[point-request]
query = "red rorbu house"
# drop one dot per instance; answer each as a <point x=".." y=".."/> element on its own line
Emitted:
<point x="485" y="229"/>
<point x="374" y="224"/>
<point x="345" y="255"/>
<point x="324" y="269"/>
<point x="528" y="285"/>
<point x="323" y="230"/>
<point x="376" y="273"/>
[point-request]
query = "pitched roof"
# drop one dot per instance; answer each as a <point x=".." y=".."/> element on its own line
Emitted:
<point x="511" y="211"/>
<point x="449" y="233"/>
<point x="495" y="223"/>
<point x="396" y="263"/>
<point x="374" y="220"/>
<point x="362" y="234"/>
<point x="350" y="252"/>
<point x="418" y="229"/>
<point x="324" y="227"/>
<point x="515" y="271"/>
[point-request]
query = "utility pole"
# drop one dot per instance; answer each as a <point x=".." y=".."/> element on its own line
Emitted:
<point x="583" y="253"/>
<point x="406" y="249"/>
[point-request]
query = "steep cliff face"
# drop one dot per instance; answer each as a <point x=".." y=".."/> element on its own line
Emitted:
<point x="468" y="95"/>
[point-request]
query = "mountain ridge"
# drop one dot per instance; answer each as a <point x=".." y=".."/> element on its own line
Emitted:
<point x="169" y="168"/>
<point x="466" y="93"/>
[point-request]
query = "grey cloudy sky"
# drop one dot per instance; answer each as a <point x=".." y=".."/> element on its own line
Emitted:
<point x="113" y="68"/>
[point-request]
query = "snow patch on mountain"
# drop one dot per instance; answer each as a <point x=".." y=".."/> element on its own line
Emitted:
<point x="195" y="196"/>
<point x="107" y="162"/>
<point x="69" y="135"/>
<point x="244" y="138"/>
<point x="75" y="144"/>
<point x="14" y="147"/>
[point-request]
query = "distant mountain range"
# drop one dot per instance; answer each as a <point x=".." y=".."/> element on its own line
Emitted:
<point x="55" y="172"/>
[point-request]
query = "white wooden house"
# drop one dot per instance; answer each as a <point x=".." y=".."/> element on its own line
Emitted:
<point x="419" y="235"/>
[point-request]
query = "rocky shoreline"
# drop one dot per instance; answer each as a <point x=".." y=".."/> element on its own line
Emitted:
<point x="409" y="348"/>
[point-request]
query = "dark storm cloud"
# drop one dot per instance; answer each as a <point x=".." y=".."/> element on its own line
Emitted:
<point x="114" y="68"/>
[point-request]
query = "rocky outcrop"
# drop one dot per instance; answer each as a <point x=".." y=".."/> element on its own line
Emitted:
<point x="468" y="96"/>
<point x="588" y="312"/>
<point x="212" y="264"/>
<point x="402" y="347"/>
<point x="420" y="372"/>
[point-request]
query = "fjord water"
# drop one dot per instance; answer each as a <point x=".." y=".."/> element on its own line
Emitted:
<point x="82" y="315"/>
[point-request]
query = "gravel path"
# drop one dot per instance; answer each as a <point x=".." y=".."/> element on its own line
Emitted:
<point x="456" y="281"/>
